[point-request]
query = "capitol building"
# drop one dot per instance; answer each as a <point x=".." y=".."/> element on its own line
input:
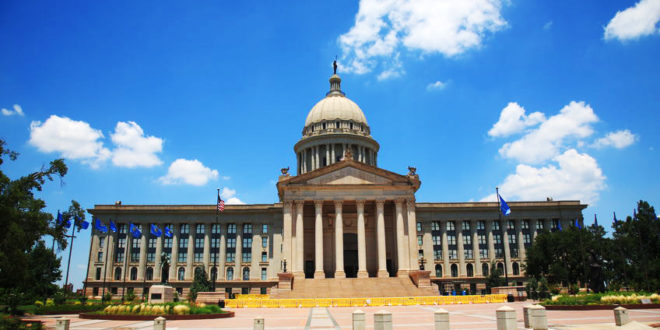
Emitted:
<point x="341" y="224"/>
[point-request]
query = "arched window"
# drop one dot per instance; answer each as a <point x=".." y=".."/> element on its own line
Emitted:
<point x="214" y="273"/>
<point x="230" y="273"/>
<point x="454" y="270"/>
<point x="246" y="274"/>
<point x="118" y="273"/>
<point x="337" y="124"/>
<point x="198" y="270"/>
<point x="150" y="274"/>
<point x="500" y="267"/>
<point x="182" y="274"/>
<point x="134" y="274"/>
<point x="516" y="268"/>
<point x="469" y="270"/>
<point x="438" y="271"/>
<point x="484" y="269"/>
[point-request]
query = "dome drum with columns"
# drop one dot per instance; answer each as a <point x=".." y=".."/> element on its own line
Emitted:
<point x="334" y="126"/>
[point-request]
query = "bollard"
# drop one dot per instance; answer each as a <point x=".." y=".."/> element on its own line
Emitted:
<point x="383" y="320"/>
<point x="359" y="320"/>
<point x="526" y="316"/>
<point x="159" y="323"/>
<point x="441" y="318"/>
<point x="259" y="323"/>
<point x="506" y="318"/>
<point x="62" y="324"/>
<point x="621" y="316"/>
<point x="538" y="319"/>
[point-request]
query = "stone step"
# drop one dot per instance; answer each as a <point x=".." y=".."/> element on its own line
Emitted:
<point x="354" y="288"/>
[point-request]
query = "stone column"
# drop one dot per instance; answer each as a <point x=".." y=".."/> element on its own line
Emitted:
<point x="111" y="238"/>
<point x="159" y="251"/>
<point x="238" y="270"/>
<point x="412" y="234"/>
<point x="287" y="233"/>
<point x="362" y="252"/>
<point x="222" y="252"/>
<point x="491" y="243"/>
<point x="380" y="230"/>
<point x="475" y="248"/>
<point x="206" y="258"/>
<point x="461" y="247"/>
<point x="93" y="255"/>
<point x="532" y="229"/>
<point x="300" y="240"/>
<point x="142" y="267"/>
<point x="339" y="241"/>
<point x="175" y="252"/>
<point x="507" y="251"/>
<point x="317" y="151"/>
<point x="446" y="270"/>
<point x="400" y="243"/>
<point x="521" y="241"/>
<point x="318" y="240"/>
<point x="327" y="154"/>
<point x="191" y="253"/>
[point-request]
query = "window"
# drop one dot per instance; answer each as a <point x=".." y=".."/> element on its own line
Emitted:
<point x="135" y="243"/>
<point x="199" y="256"/>
<point x="121" y="242"/>
<point x="98" y="273"/>
<point x="247" y="228"/>
<point x="181" y="274"/>
<point x="214" y="273"/>
<point x="101" y="241"/>
<point x="419" y="226"/>
<point x="511" y="224"/>
<point x="497" y="238"/>
<point x="469" y="270"/>
<point x="435" y="226"/>
<point x="437" y="240"/>
<point x="214" y="257"/>
<point x="215" y="228"/>
<point x="465" y="225"/>
<point x="231" y="256"/>
<point x="499" y="253"/>
<point x="437" y="254"/>
<point x="199" y="229"/>
<point x="231" y="228"/>
<point x="150" y="274"/>
<point x="151" y="257"/>
<point x="167" y="243"/>
<point x="527" y="239"/>
<point x="540" y="225"/>
<point x="117" y="273"/>
<point x="230" y="273"/>
<point x="337" y="124"/>
<point x="134" y="274"/>
<point x="135" y="256"/>
<point x="215" y="243"/>
<point x="183" y="257"/>
<point x="516" y="268"/>
<point x="119" y="257"/>
<point x="246" y="274"/>
<point x="247" y="242"/>
<point x="450" y="225"/>
<point x="525" y="224"/>
<point x="482" y="239"/>
<point x="555" y="223"/>
<point x="453" y="254"/>
<point x="468" y="254"/>
<point x="184" y="229"/>
<point x="264" y="229"/>
<point x="95" y="291"/>
<point x="231" y="242"/>
<point x="420" y="254"/>
<point x="438" y="271"/>
<point x="99" y="257"/>
<point x="454" y="270"/>
<point x="481" y="225"/>
<point x="152" y="243"/>
<point x="467" y="239"/>
<point x="264" y="242"/>
<point x="263" y="290"/>
<point x="483" y="253"/>
<point x="451" y="239"/>
<point x="484" y="269"/>
<point x="183" y="243"/>
<point x="496" y="225"/>
<point x="323" y="125"/>
<point x="198" y="270"/>
<point x="264" y="256"/>
<point x="419" y="240"/>
<point x="247" y="256"/>
<point x="512" y="239"/>
<point x="122" y="228"/>
<point x="264" y="274"/>
<point x="199" y="243"/>
<point x="113" y="290"/>
<point x="514" y="252"/>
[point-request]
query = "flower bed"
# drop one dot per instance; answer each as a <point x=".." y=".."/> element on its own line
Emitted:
<point x="171" y="311"/>
<point x="607" y="300"/>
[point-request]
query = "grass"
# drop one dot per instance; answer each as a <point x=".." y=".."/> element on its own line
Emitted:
<point x="606" y="298"/>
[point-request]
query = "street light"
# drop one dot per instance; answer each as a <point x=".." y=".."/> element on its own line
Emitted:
<point x="422" y="261"/>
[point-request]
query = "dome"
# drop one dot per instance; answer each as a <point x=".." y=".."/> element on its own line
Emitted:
<point x="335" y="106"/>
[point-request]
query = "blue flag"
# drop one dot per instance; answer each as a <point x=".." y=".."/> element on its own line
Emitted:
<point x="98" y="225"/>
<point x="135" y="231"/>
<point x="595" y="220"/>
<point x="577" y="224"/>
<point x="80" y="223"/>
<point x="60" y="220"/>
<point x="559" y="225"/>
<point x="84" y="224"/>
<point x="113" y="227"/>
<point x="168" y="232"/>
<point x="504" y="207"/>
<point x="68" y="224"/>
<point x="155" y="230"/>
<point x="616" y="222"/>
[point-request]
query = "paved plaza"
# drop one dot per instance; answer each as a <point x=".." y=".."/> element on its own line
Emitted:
<point x="477" y="316"/>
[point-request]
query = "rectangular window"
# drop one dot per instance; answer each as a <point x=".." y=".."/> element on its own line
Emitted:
<point x="151" y="257"/>
<point x="215" y="228"/>
<point x="453" y="254"/>
<point x="468" y="254"/>
<point x="121" y="242"/>
<point x="511" y="224"/>
<point x="231" y="242"/>
<point x="135" y="256"/>
<point x="135" y="243"/>
<point x="496" y="225"/>
<point x="512" y="239"/>
<point x="499" y="253"/>
<point x="555" y="223"/>
<point x="481" y="225"/>
<point x="168" y="255"/>
<point x="167" y="243"/>
<point x="450" y="225"/>
<point x="263" y="290"/>
<point x="264" y="274"/>
<point x="497" y="238"/>
<point x="264" y="242"/>
<point x="247" y="228"/>
<point x="214" y="257"/>
<point x="119" y="257"/>
<point x="122" y="228"/>
<point x="514" y="253"/>
<point x="419" y="240"/>
<point x="183" y="243"/>
<point x="437" y="240"/>
<point x="540" y="225"/>
<point x="451" y="239"/>
<point x="231" y="228"/>
<point x="482" y="239"/>
<point x="199" y="243"/>
<point x="99" y="257"/>
<point x="185" y="229"/>
<point x="437" y="254"/>
<point x="215" y="243"/>
<point x="247" y="242"/>
<point x="527" y="239"/>
<point x="467" y="239"/>
<point x="247" y="256"/>
<point x="98" y="273"/>
<point x="199" y="256"/>
<point x="465" y="225"/>
<point x="199" y="229"/>
<point x="264" y="229"/>
<point x="525" y="224"/>
<point x="231" y="256"/>
<point x="101" y="241"/>
<point x="183" y="257"/>
<point x="419" y="226"/>
<point x="152" y="243"/>
<point x="483" y="253"/>
<point x="264" y="256"/>
<point x="435" y="226"/>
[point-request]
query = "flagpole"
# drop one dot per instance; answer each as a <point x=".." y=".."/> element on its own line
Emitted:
<point x="215" y="257"/>
<point x="91" y="234"/>
<point x="52" y="249"/>
<point x="499" y="212"/>
<point x="68" y="265"/>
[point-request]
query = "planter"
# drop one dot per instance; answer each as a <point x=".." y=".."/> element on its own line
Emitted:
<point x="170" y="317"/>
<point x="598" y="307"/>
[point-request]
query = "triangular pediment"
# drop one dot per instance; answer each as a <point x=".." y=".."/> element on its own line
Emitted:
<point x="349" y="175"/>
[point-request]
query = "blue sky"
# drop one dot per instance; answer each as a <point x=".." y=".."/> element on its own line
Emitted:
<point x="163" y="102"/>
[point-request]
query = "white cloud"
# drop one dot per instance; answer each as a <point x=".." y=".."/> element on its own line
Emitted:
<point x="133" y="148"/>
<point x="434" y="86"/>
<point x="575" y="177"/>
<point x="547" y="26"/>
<point x="229" y="195"/>
<point x="192" y="172"/>
<point x="70" y="138"/>
<point x="513" y="120"/>
<point x="541" y="144"/>
<point x="17" y="111"/>
<point x="385" y="28"/>
<point x="634" y="22"/>
<point x="619" y="139"/>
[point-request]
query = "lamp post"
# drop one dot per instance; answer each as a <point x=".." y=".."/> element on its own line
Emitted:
<point x="422" y="261"/>
<point x="284" y="264"/>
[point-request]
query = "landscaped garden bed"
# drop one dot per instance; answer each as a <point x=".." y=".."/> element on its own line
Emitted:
<point x="604" y="301"/>
<point x="170" y="311"/>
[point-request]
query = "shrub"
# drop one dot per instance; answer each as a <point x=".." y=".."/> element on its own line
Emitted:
<point x="130" y="296"/>
<point x="59" y="298"/>
<point x="39" y="303"/>
<point x="9" y="322"/>
<point x="107" y="297"/>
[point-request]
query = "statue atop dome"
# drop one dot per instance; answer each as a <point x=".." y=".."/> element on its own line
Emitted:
<point x="334" y="65"/>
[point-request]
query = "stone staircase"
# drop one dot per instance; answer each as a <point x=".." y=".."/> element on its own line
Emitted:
<point x="354" y="288"/>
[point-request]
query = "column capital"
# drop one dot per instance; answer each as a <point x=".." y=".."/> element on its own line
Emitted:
<point x="318" y="203"/>
<point x="360" y="202"/>
<point x="299" y="203"/>
<point x="287" y="203"/>
<point x="400" y="201"/>
<point x="380" y="203"/>
<point x="410" y="202"/>
<point x="338" y="204"/>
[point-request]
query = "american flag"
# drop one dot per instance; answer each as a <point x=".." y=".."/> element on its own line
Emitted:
<point x="221" y="204"/>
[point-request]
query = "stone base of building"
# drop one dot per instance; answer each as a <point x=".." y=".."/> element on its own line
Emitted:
<point x="362" y="274"/>
<point x="383" y="273"/>
<point x="340" y="274"/>
<point x="319" y="274"/>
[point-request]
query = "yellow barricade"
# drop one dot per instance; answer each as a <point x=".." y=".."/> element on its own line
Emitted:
<point x="323" y="302"/>
<point x="258" y="300"/>
<point x="355" y="302"/>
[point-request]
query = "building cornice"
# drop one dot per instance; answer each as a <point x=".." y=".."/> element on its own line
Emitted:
<point x="101" y="209"/>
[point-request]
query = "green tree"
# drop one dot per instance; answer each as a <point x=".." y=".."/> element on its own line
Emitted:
<point x="201" y="283"/>
<point x="494" y="279"/>
<point x="23" y="220"/>
<point x="43" y="271"/>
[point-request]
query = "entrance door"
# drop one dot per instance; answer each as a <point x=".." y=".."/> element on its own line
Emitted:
<point x="350" y="255"/>
<point x="309" y="269"/>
